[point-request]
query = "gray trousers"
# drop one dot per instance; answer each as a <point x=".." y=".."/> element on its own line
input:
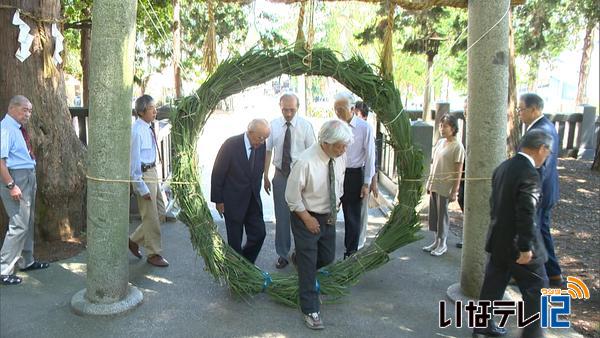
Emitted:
<point x="283" y="241"/>
<point x="312" y="253"/>
<point x="18" y="243"/>
<point x="438" y="215"/>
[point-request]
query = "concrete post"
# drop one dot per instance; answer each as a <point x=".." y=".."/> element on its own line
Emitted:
<point x="441" y="108"/>
<point x="587" y="148"/>
<point x="486" y="132"/>
<point x="421" y="134"/>
<point x="111" y="82"/>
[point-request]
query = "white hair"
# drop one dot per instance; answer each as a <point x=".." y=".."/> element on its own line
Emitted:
<point x="335" y="131"/>
<point x="345" y="96"/>
<point x="18" y="101"/>
<point x="254" y="124"/>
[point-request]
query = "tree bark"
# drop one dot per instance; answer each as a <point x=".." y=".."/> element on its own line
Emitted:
<point x="514" y="122"/>
<point x="60" y="202"/>
<point x="584" y="66"/>
<point x="177" y="47"/>
<point x="86" y="47"/>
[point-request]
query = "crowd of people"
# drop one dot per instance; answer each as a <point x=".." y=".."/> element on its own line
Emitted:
<point x="314" y="177"/>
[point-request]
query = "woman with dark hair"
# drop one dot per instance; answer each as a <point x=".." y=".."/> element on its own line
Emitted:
<point x="361" y="110"/>
<point x="443" y="182"/>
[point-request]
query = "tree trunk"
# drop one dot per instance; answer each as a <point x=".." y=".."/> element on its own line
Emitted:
<point x="584" y="66"/>
<point x="177" y="47"/>
<point x="60" y="212"/>
<point x="86" y="47"/>
<point x="427" y="94"/>
<point x="514" y="122"/>
<point x="596" y="164"/>
<point x="532" y="74"/>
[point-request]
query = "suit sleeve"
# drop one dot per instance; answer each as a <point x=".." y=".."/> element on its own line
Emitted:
<point x="527" y="200"/>
<point x="219" y="173"/>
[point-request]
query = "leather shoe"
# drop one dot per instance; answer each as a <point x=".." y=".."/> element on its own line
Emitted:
<point x="490" y="331"/>
<point x="557" y="282"/>
<point x="135" y="249"/>
<point x="281" y="263"/>
<point x="157" y="260"/>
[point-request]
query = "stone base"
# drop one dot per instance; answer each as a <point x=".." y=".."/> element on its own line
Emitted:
<point x="455" y="293"/>
<point x="81" y="306"/>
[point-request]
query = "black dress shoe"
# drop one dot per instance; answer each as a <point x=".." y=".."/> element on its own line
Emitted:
<point x="281" y="263"/>
<point x="490" y="331"/>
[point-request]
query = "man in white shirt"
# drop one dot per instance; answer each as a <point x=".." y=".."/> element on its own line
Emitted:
<point x="290" y="136"/>
<point x="144" y="150"/>
<point x="313" y="191"/>
<point x="360" y="168"/>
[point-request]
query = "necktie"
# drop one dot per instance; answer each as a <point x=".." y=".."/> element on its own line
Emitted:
<point x="27" y="142"/>
<point x="332" y="199"/>
<point x="155" y="141"/>
<point x="286" y="158"/>
<point x="251" y="159"/>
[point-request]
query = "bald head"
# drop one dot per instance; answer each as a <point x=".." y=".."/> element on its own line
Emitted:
<point x="258" y="132"/>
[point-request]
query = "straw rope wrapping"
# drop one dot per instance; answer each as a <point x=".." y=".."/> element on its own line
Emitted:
<point x="254" y="68"/>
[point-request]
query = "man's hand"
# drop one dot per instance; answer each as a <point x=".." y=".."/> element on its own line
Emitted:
<point x="267" y="185"/>
<point x="312" y="225"/>
<point x="220" y="208"/>
<point x="15" y="193"/>
<point x="147" y="197"/>
<point x="375" y="188"/>
<point x="525" y="257"/>
<point x="364" y="191"/>
<point x="453" y="196"/>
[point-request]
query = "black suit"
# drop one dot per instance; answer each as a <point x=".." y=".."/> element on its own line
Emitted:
<point x="236" y="184"/>
<point x="515" y="195"/>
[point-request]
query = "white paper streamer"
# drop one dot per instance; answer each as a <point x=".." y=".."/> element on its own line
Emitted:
<point x="58" y="44"/>
<point x="25" y="39"/>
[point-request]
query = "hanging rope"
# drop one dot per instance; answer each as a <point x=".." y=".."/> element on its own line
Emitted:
<point x="307" y="60"/>
<point x="300" y="39"/>
<point x="387" y="67"/>
<point x="210" y="44"/>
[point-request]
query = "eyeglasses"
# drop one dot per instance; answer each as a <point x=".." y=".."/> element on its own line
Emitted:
<point x="519" y="109"/>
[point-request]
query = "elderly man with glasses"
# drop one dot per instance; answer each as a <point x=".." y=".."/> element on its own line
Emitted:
<point x="530" y="110"/>
<point x="235" y="188"/>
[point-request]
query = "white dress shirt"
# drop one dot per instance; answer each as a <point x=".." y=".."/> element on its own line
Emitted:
<point x="248" y="145"/>
<point x="361" y="152"/>
<point x="143" y="150"/>
<point x="302" y="135"/>
<point x="308" y="181"/>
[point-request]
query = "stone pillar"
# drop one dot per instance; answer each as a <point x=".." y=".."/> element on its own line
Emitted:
<point x="441" y="108"/>
<point x="111" y="82"/>
<point x="587" y="148"/>
<point x="421" y="135"/>
<point x="486" y="132"/>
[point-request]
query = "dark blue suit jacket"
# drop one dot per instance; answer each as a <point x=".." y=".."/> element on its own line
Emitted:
<point x="548" y="171"/>
<point x="232" y="181"/>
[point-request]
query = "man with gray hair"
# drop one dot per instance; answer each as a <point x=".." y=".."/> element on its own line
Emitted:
<point x="360" y="169"/>
<point x="290" y="136"/>
<point x="17" y="169"/>
<point x="514" y="240"/>
<point x="313" y="191"/>
<point x="235" y="188"/>
<point x="144" y="158"/>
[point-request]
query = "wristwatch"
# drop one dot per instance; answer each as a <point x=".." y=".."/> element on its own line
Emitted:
<point x="11" y="185"/>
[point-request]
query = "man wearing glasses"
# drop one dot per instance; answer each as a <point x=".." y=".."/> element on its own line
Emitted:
<point x="530" y="110"/>
<point x="235" y="188"/>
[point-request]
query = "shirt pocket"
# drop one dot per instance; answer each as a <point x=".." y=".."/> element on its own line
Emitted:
<point x="146" y="143"/>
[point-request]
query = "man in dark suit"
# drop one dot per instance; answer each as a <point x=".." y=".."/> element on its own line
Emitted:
<point x="514" y="241"/>
<point x="530" y="109"/>
<point x="235" y="188"/>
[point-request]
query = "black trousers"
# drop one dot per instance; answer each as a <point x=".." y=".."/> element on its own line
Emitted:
<point x="530" y="278"/>
<point x="352" y="205"/>
<point x="254" y="225"/>
<point x="312" y="253"/>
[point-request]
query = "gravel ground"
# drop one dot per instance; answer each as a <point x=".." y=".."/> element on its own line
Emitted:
<point x="576" y="234"/>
